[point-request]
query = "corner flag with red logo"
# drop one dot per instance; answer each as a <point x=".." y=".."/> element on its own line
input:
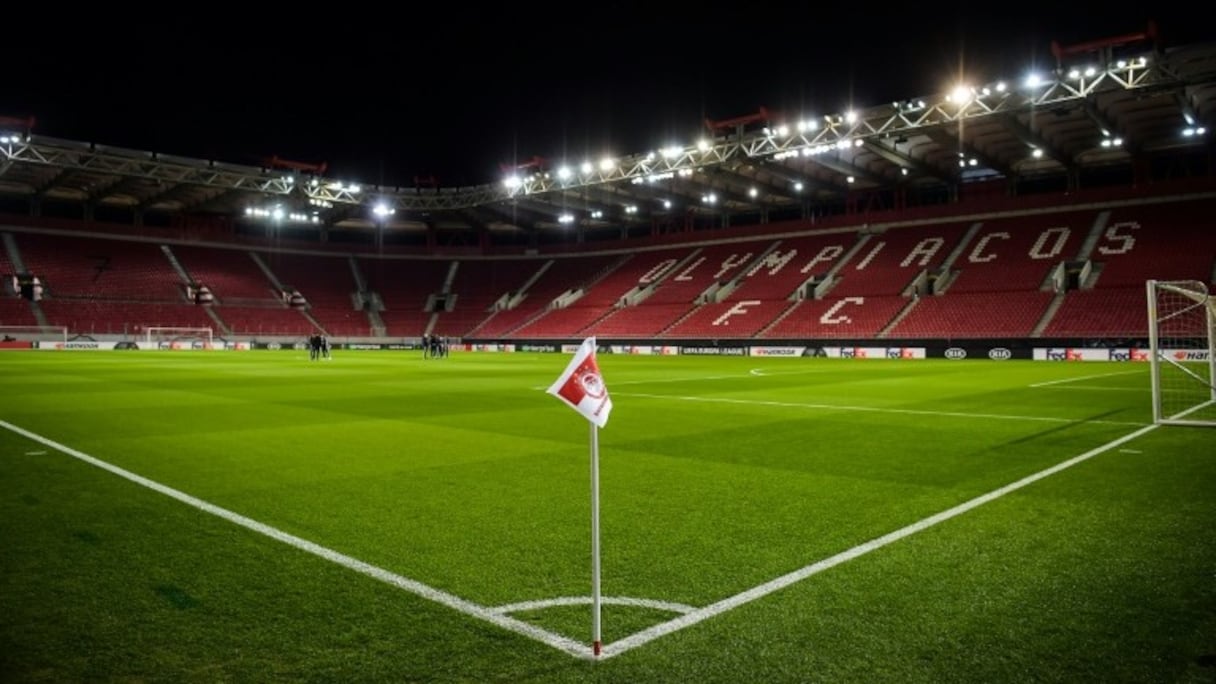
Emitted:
<point x="582" y="387"/>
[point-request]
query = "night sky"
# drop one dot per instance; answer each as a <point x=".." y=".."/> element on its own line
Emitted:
<point x="452" y="91"/>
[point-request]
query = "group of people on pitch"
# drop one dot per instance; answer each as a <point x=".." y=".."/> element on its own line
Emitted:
<point x="434" y="347"/>
<point x="318" y="347"/>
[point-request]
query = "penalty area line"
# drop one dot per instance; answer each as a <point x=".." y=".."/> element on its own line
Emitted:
<point x="415" y="587"/>
<point x="689" y="619"/>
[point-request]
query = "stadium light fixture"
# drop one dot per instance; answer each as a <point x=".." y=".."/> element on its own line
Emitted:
<point x="607" y="164"/>
<point x="671" y="151"/>
<point x="587" y="168"/>
<point x="512" y="182"/>
<point x="382" y="210"/>
<point x="703" y="145"/>
<point x="631" y="209"/>
<point x="850" y="180"/>
<point x="961" y="95"/>
<point x="666" y="204"/>
<point x="753" y="192"/>
<point x="798" y="186"/>
<point x="566" y="219"/>
<point x="850" y="117"/>
<point x="564" y="173"/>
<point x="1033" y="80"/>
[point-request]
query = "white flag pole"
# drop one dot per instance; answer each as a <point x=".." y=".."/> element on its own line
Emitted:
<point x="595" y="540"/>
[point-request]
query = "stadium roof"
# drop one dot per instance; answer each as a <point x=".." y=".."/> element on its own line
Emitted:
<point x="1106" y="107"/>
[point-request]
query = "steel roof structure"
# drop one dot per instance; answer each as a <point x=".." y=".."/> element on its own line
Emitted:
<point x="1109" y="106"/>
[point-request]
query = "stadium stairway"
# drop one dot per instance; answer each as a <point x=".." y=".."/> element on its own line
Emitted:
<point x="14" y="254"/>
<point x="1049" y="314"/>
<point x="219" y="322"/>
<point x="907" y="309"/>
<point x="177" y="266"/>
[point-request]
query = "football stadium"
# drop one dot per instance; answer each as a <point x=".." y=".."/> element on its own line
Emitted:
<point x="918" y="391"/>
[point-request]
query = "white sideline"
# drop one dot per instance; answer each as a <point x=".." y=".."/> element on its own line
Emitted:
<point x="689" y="619"/>
<point x="456" y="603"/>
<point x="876" y="409"/>
<point x="1083" y="377"/>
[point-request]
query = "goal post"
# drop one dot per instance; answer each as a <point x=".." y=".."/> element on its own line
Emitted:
<point x="1182" y="352"/>
<point x="170" y="337"/>
<point x="34" y="333"/>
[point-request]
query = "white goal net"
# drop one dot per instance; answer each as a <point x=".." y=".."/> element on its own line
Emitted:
<point x="1181" y="325"/>
<point x="164" y="337"/>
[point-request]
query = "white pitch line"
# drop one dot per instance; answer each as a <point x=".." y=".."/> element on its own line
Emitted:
<point x="650" y="634"/>
<point x="35" y="453"/>
<point x="753" y="373"/>
<point x="586" y="601"/>
<point x="874" y="409"/>
<point x="456" y="603"/>
<point x="1091" y="388"/>
<point x="698" y="378"/>
<point x="1083" y="377"/>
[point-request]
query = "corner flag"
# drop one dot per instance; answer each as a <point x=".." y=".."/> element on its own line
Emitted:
<point x="582" y="387"/>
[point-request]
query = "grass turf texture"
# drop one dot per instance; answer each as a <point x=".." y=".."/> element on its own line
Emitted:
<point x="718" y="474"/>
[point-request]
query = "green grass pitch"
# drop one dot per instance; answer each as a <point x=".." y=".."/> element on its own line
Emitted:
<point x="718" y="476"/>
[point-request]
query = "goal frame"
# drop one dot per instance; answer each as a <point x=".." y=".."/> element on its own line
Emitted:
<point x="37" y="333"/>
<point x="153" y="335"/>
<point x="1162" y="347"/>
